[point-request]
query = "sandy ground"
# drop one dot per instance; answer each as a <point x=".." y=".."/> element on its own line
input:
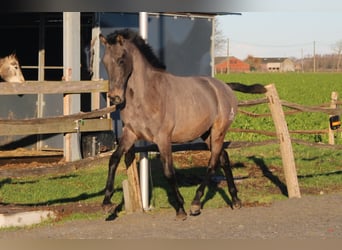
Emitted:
<point x="310" y="217"/>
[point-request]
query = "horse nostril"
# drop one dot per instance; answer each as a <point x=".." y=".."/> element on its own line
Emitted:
<point x="116" y="99"/>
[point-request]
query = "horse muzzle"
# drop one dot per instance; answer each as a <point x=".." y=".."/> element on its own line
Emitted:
<point x="116" y="95"/>
<point x="116" y="99"/>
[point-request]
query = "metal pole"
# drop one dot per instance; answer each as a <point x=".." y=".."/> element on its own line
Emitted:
<point x="144" y="166"/>
<point x="143" y="24"/>
<point x="71" y="63"/>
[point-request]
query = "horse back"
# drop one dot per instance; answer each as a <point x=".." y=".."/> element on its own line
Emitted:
<point x="198" y="103"/>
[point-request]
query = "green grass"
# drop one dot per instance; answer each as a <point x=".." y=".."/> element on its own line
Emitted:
<point x="83" y="185"/>
<point x="312" y="89"/>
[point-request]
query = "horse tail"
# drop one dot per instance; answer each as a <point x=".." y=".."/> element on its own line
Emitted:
<point x="255" y="88"/>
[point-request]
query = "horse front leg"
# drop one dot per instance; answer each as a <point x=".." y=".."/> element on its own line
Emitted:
<point x="125" y="146"/>
<point x="114" y="161"/>
<point x="169" y="173"/>
<point x="225" y="164"/>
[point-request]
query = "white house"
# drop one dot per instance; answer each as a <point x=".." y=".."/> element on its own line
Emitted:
<point x="278" y="64"/>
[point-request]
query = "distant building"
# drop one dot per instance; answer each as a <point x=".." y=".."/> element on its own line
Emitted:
<point x="279" y="64"/>
<point x="234" y="65"/>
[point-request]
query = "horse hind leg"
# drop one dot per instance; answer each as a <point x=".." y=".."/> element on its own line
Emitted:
<point x="196" y="206"/>
<point x="225" y="164"/>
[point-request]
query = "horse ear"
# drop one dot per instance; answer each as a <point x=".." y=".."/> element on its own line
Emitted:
<point x="120" y="39"/>
<point x="103" y="39"/>
<point x="13" y="55"/>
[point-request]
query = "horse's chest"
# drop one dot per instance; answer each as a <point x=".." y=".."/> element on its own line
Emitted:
<point x="143" y="123"/>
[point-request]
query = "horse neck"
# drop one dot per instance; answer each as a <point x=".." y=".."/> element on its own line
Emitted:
<point x="141" y="69"/>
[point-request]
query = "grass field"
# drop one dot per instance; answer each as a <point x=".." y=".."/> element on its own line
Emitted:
<point x="258" y="170"/>
<point x="311" y="89"/>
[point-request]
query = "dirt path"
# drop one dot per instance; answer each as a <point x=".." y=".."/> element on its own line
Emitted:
<point x="311" y="217"/>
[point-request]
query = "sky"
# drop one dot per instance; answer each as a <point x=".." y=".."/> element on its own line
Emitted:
<point x="281" y="34"/>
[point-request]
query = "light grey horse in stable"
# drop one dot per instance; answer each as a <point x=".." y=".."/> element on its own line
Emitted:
<point x="163" y="108"/>
<point x="10" y="69"/>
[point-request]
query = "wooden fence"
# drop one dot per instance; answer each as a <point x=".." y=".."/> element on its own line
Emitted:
<point x="81" y="122"/>
<point x="332" y="110"/>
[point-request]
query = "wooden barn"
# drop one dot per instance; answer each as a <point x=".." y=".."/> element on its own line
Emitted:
<point x="234" y="65"/>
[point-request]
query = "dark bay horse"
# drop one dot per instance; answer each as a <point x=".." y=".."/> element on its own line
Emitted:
<point x="162" y="108"/>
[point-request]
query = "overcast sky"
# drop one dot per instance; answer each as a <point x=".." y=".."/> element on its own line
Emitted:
<point x="281" y="34"/>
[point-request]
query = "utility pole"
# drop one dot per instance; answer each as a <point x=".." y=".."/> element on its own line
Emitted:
<point x="314" y="56"/>
<point x="302" y="60"/>
<point x="228" y="63"/>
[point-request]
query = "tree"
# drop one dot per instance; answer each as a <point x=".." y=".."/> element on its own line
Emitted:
<point x="337" y="47"/>
<point x="254" y="62"/>
<point x="220" y="41"/>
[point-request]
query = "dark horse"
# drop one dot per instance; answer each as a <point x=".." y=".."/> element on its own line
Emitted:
<point x="162" y="108"/>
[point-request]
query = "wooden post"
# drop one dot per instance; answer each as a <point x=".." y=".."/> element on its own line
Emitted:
<point x="133" y="201"/>
<point x="95" y="48"/>
<point x="285" y="142"/>
<point x="334" y="96"/>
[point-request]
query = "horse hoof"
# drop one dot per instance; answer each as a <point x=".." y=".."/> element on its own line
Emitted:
<point x="195" y="210"/>
<point x="109" y="208"/>
<point x="181" y="215"/>
<point x="237" y="204"/>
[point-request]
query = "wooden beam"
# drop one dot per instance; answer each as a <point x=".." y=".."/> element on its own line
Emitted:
<point x="9" y="126"/>
<point x="134" y="193"/>
<point x="54" y="126"/>
<point x="53" y="87"/>
<point x="284" y="141"/>
<point x="331" y="134"/>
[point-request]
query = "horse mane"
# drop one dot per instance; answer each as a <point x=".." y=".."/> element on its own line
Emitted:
<point x="9" y="57"/>
<point x="140" y="43"/>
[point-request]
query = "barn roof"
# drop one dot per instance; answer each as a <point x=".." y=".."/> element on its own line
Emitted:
<point x="273" y="59"/>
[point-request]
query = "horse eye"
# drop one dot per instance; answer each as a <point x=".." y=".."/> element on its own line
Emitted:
<point x="120" y="61"/>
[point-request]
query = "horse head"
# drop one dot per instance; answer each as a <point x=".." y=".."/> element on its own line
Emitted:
<point x="10" y="69"/>
<point x="119" y="65"/>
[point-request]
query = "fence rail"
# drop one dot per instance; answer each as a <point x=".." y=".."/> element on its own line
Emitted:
<point x="53" y="87"/>
<point x="295" y="109"/>
<point x="80" y="122"/>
